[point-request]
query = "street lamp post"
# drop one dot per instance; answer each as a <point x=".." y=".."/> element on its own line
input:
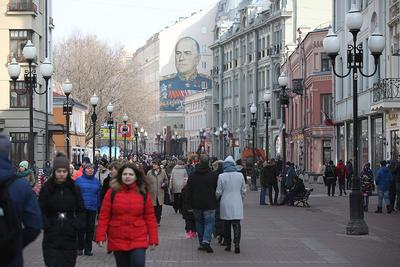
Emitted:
<point x="267" y="99"/>
<point x="145" y="136"/>
<point x="141" y="137"/>
<point x="284" y="101"/>
<point x="110" y="123"/>
<point x="158" y="136"/>
<point x="30" y="79"/>
<point x="253" y="124"/>
<point x="94" y="100"/>
<point x="67" y="108"/>
<point x="136" y="125"/>
<point x="125" y="131"/>
<point x="376" y="44"/>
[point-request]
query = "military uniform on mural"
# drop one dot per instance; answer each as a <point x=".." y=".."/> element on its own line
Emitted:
<point x="187" y="80"/>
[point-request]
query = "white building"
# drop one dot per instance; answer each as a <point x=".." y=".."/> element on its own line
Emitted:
<point x="248" y="52"/>
<point x="198" y="115"/>
<point x="22" y="21"/>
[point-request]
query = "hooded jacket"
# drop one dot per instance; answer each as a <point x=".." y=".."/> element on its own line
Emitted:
<point x="127" y="223"/>
<point x="26" y="208"/>
<point x="90" y="188"/>
<point x="231" y="188"/>
<point x="201" y="186"/>
<point x="383" y="179"/>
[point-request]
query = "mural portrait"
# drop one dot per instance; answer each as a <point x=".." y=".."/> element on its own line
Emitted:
<point x="186" y="80"/>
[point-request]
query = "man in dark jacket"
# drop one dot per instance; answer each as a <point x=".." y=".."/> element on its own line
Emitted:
<point x="330" y="178"/>
<point x="268" y="181"/>
<point x="349" y="167"/>
<point x="25" y="206"/>
<point x="200" y="196"/>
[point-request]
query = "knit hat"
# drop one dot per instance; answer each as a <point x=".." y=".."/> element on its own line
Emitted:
<point x="86" y="159"/>
<point x="24" y="164"/>
<point x="5" y="146"/>
<point x="60" y="161"/>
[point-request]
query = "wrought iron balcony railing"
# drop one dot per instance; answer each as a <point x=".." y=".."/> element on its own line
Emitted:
<point x="387" y="88"/>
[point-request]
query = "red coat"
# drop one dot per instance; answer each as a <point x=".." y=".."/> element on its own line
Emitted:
<point x="341" y="171"/>
<point x="131" y="225"/>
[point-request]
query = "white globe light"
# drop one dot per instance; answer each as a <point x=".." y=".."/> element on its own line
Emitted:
<point x="136" y="125"/>
<point x="253" y="109"/>
<point x="14" y="69"/>
<point x="110" y="108"/>
<point x="225" y="125"/>
<point x="267" y="96"/>
<point x="354" y="18"/>
<point x="331" y="43"/>
<point x="29" y="51"/>
<point x="125" y="117"/>
<point x="283" y="80"/>
<point x="46" y="69"/>
<point x="94" y="100"/>
<point x="376" y="42"/>
<point x="67" y="87"/>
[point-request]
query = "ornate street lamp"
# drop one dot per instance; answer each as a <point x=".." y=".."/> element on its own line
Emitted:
<point x="145" y="136"/>
<point x="376" y="44"/>
<point x="253" y="125"/>
<point x="267" y="114"/>
<point x="284" y="101"/>
<point x="94" y="100"/>
<point x="30" y="82"/>
<point x="67" y="110"/>
<point x="136" y="126"/>
<point x="110" y="123"/>
<point x="158" y="136"/>
<point x="124" y="132"/>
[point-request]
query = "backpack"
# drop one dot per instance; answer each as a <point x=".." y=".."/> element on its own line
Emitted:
<point x="330" y="171"/>
<point x="9" y="226"/>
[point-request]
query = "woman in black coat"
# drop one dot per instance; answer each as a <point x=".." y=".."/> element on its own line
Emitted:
<point x="63" y="215"/>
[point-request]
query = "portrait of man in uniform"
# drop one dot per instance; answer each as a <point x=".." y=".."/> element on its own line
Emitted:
<point x="187" y="79"/>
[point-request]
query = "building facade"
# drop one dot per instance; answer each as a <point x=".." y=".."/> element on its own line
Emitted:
<point x="198" y="115"/>
<point x="372" y="137"/>
<point x="309" y="126"/>
<point x="248" y="52"/>
<point x="77" y="149"/>
<point x="22" y="21"/>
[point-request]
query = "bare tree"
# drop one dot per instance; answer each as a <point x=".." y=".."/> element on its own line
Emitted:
<point x="93" y="66"/>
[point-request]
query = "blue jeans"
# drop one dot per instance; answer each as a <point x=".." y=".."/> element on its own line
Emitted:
<point x="263" y="193"/>
<point x="205" y="221"/>
<point x="383" y="195"/>
<point x="136" y="258"/>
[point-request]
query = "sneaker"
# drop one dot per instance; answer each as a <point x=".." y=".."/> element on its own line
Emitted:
<point x="188" y="235"/>
<point x="207" y="248"/>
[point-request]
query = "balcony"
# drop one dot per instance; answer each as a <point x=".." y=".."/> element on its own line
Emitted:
<point x="386" y="94"/>
<point x="22" y="6"/>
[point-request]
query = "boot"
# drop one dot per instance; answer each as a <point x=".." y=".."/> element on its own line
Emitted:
<point x="379" y="210"/>
<point x="237" y="249"/>
<point x="389" y="209"/>
<point x="228" y="248"/>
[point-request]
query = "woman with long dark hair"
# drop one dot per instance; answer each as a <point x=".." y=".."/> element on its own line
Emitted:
<point x="127" y="220"/>
<point x="63" y="215"/>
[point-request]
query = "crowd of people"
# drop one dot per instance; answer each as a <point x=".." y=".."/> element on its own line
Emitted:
<point x="120" y="203"/>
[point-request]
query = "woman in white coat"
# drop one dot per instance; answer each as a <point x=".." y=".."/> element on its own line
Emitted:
<point x="231" y="188"/>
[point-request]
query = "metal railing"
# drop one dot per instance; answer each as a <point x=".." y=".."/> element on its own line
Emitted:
<point x="387" y="88"/>
<point x="18" y="6"/>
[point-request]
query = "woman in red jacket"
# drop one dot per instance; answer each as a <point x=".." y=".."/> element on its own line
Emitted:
<point x="127" y="220"/>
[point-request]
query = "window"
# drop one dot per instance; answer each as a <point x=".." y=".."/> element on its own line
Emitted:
<point x="18" y="40"/>
<point x="204" y="64"/>
<point x="326" y="151"/>
<point x="204" y="49"/>
<point x="19" y="100"/>
<point x="19" y="147"/>
<point x="326" y="107"/>
<point x="325" y="62"/>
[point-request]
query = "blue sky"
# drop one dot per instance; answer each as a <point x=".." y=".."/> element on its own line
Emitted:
<point x="120" y="22"/>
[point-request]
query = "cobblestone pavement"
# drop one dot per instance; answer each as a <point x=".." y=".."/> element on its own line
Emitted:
<point x="273" y="236"/>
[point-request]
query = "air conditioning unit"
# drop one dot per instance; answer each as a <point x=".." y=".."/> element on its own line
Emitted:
<point x="395" y="49"/>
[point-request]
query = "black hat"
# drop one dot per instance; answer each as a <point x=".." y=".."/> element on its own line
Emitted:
<point x="60" y="161"/>
<point x="103" y="162"/>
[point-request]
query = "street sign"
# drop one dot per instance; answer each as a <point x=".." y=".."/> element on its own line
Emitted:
<point x="128" y="131"/>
